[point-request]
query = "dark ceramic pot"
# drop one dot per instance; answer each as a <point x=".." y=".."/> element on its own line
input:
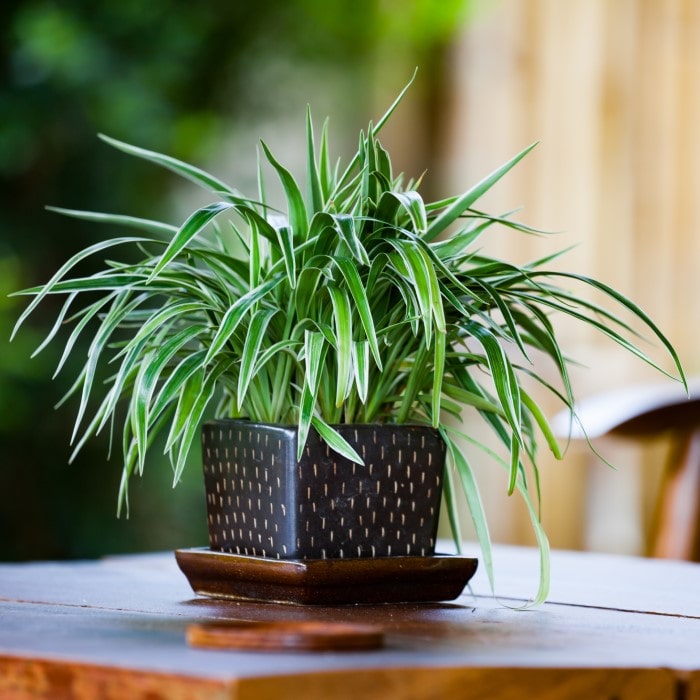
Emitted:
<point x="262" y="502"/>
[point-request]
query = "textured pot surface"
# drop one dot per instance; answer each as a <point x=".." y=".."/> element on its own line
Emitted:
<point x="262" y="502"/>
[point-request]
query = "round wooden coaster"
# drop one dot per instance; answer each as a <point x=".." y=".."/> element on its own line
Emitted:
<point x="276" y="636"/>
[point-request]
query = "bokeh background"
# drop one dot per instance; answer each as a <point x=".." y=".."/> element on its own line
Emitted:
<point x="610" y="88"/>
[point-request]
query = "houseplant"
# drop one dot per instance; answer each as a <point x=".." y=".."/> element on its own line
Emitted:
<point x="359" y="304"/>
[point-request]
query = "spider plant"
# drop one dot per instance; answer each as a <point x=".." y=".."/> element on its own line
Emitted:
<point x="358" y="303"/>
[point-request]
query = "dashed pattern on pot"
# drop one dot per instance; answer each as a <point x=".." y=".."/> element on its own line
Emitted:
<point x="261" y="502"/>
<point x="246" y="473"/>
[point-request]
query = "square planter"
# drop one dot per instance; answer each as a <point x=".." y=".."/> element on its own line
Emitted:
<point x="262" y="502"/>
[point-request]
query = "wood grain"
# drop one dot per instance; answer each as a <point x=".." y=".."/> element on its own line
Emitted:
<point x="30" y="679"/>
<point x="470" y="684"/>
<point x="47" y="680"/>
<point x="691" y="686"/>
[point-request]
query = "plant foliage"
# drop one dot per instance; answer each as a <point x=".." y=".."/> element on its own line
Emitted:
<point x="359" y="303"/>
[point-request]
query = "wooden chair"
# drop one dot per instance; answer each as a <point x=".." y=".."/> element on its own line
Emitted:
<point x="643" y="413"/>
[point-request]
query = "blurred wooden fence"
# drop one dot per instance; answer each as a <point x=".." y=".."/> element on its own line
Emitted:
<point x="611" y="89"/>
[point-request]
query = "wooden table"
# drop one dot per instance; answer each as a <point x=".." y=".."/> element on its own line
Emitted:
<point x="614" y="627"/>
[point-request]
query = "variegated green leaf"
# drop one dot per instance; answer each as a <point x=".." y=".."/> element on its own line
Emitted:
<point x="254" y="339"/>
<point x="189" y="172"/>
<point x="313" y="176"/>
<point x="360" y="363"/>
<point x="156" y="227"/>
<point x="461" y="204"/>
<point x="229" y="323"/>
<point x="345" y="226"/>
<point x="342" y="317"/>
<point x="335" y="441"/>
<point x="194" y="225"/>
<point x="359" y="295"/>
<point x="298" y="217"/>
<point x="474" y="503"/>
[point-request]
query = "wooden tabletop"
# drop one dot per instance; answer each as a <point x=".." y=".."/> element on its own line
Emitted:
<point x="614" y="627"/>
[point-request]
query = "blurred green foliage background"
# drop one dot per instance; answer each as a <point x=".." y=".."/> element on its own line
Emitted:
<point x="195" y="80"/>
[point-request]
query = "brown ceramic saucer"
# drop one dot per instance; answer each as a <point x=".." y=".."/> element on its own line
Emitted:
<point x="436" y="578"/>
<point x="292" y="636"/>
